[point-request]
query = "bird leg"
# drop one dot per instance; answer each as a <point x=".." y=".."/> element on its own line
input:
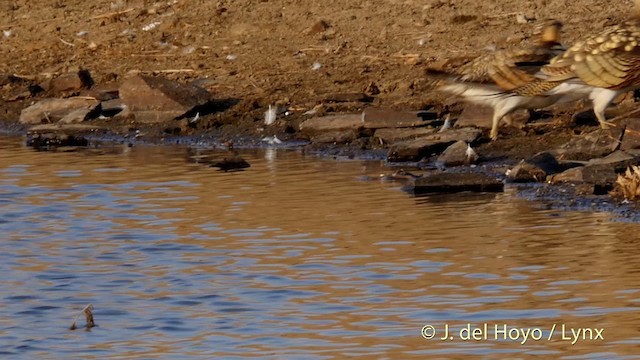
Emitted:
<point x="601" y="100"/>
<point x="497" y="116"/>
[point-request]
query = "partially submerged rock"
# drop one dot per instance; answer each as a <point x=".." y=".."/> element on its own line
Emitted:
<point x="74" y="109"/>
<point x="414" y="150"/>
<point x="50" y="141"/>
<point x="445" y="182"/>
<point x="156" y="99"/>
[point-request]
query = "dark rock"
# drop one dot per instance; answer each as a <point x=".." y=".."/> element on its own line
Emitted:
<point x="112" y="107"/>
<point x="619" y="160"/>
<point x="348" y="97"/>
<point x="103" y="92"/>
<point x="58" y="127"/>
<point x="318" y="27"/>
<point x="631" y="136"/>
<point x="393" y="135"/>
<point x="233" y="162"/>
<point x="414" y="150"/>
<point x="52" y="140"/>
<point x="332" y="123"/>
<point x="595" y="144"/>
<point x="456" y="182"/>
<point x="603" y="175"/>
<point x="381" y="118"/>
<point x="156" y="99"/>
<point x="53" y="110"/>
<point x="457" y="154"/>
<point x="535" y="169"/>
<point x="526" y="172"/>
<point x="482" y="117"/>
<point x="546" y="162"/>
<point x="335" y="137"/>
<point x="69" y="82"/>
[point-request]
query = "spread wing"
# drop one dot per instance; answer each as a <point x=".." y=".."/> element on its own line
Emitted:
<point x="508" y="69"/>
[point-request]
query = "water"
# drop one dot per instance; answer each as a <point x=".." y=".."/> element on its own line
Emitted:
<point x="296" y="258"/>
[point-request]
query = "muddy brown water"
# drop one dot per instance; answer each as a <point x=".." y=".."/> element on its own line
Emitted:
<point x="296" y="258"/>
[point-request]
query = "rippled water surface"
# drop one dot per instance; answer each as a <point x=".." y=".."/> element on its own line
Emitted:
<point x="295" y="258"/>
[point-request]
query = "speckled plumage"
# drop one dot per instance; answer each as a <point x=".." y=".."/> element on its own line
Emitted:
<point x="490" y="79"/>
<point x="601" y="67"/>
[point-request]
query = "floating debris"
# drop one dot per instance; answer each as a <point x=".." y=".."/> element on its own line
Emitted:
<point x="82" y="33"/>
<point x="231" y="57"/>
<point x="7" y="33"/>
<point x="316" y="66"/>
<point x="270" y="115"/>
<point x="88" y="315"/>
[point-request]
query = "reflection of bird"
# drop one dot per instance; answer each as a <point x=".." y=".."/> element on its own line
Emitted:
<point x="601" y="67"/>
<point x="486" y="79"/>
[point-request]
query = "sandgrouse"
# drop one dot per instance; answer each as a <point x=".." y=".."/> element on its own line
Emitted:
<point x="490" y="79"/>
<point x="600" y="67"/>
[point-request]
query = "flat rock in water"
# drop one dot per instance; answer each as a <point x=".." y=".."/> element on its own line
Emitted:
<point x="328" y="123"/>
<point x="394" y="135"/>
<point x="599" y="143"/>
<point x="157" y="99"/>
<point x="414" y="150"/>
<point x="603" y="175"/>
<point x="374" y="118"/>
<point x="52" y="110"/>
<point x="456" y="182"/>
<point x="456" y="154"/>
<point x="482" y="117"/>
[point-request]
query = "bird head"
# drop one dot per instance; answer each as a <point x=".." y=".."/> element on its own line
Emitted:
<point x="548" y="31"/>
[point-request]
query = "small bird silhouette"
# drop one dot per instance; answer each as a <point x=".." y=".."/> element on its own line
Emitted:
<point x="488" y="79"/>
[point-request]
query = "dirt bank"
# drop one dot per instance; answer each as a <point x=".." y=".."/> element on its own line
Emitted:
<point x="295" y="54"/>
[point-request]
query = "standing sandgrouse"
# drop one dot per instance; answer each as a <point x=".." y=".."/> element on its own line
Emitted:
<point x="600" y="67"/>
<point x="490" y="79"/>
